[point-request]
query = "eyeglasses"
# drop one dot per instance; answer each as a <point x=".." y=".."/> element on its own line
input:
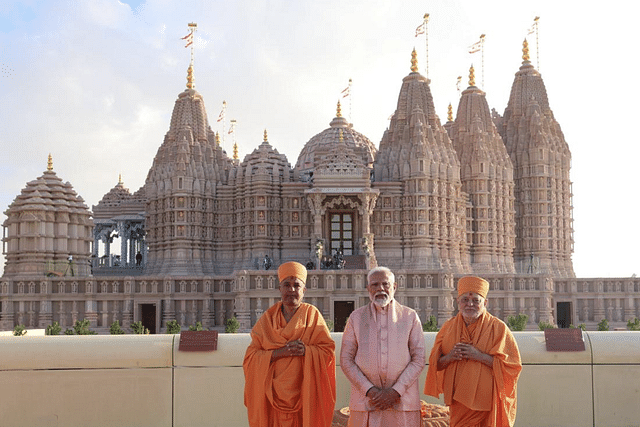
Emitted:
<point x="470" y="301"/>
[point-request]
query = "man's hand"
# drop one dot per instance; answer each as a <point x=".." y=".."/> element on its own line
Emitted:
<point x="383" y="399"/>
<point x="464" y="351"/>
<point x="291" y="349"/>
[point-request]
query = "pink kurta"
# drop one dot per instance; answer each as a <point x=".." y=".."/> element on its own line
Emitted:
<point x="383" y="348"/>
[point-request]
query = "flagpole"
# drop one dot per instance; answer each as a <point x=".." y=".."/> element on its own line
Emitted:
<point x="223" y="115"/>
<point x="350" y="101"/>
<point x="426" y="37"/>
<point x="482" y="52"/>
<point x="192" y="27"/>
<point x="535" y="24"/>
<point x="189" y="38"/>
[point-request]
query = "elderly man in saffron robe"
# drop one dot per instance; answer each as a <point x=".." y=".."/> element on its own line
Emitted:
<point x="289" y="367"/>
<point x="382" y="355"/>
<point x="475" y="362"/>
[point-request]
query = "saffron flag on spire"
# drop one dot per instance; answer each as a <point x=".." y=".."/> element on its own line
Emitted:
<point x="421" y="28"/>
<point x="233" y="126"/>
<point x="534" y="26"/>
<point x="188" y="38"/>
<point x="221" y="115"/>
<point x="475" y="47"/>
<point x="346" y="92"/>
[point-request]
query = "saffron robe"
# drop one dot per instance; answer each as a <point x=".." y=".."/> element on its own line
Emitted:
<point x="290" y="391"/>
<point x="471" y="383"/>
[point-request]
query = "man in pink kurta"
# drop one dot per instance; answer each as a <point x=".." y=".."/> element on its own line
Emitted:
<point x="382" y="355"/>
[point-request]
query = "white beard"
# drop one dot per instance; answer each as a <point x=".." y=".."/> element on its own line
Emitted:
<point x="379" y="301"/>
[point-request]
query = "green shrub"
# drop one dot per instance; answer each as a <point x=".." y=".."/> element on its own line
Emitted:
<point x="330" y="325"/>
<point x="517" y="323"/>
<point x="232" y="325"/>
<point x="173" y="327"/>
<point x="69" y="332"/>
<point x="197" y="327"/>
<point x="633" y="325"/>
<point x="115" y="329"/>
<point x="546" y="325"/>
<point x="82" y="328"/>
<point x="603" y="325"/>
<point x="431" y="325"/>
<point x="139" y="329"/>
<point x="19" y="331"/>
<point x="53" y="329"/>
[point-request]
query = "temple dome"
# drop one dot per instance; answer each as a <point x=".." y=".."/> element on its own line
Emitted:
<point x="264" y="163"/>
<point x="119" y="200"/>
<point x="47" y="223"/>
<point x="319" y="147"/>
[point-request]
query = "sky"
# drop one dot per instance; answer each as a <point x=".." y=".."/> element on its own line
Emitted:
<point x="94" y="83"/>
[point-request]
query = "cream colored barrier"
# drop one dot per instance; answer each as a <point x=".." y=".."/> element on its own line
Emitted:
<point x="138" y="380"/>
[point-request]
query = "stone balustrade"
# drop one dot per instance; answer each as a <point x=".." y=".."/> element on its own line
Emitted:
<point x="144" y="380"/>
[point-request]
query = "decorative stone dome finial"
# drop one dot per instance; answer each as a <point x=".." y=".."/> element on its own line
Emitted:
<point x="472" y="76"/>
<point x="120" y="179"/>
<point x="218" y="139"/>
<point x="525" y="50"/>
<point x="235" y="151"/>
<point x="50" y="163"/>
<point x="338" y="110"/>
<point x="414" y="61"/>
<point x="265" y="139"/>
<point x="450" y="113"/>
<point x="190" y="78"/>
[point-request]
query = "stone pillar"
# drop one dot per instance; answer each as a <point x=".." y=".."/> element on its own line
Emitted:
<point x="629" y="306"/>
<point x="95" y="262"/>
<point x="91" y="312"/>
<point x="242" y="312"/>
<point x="107" y="251"/>
<point x="6" y="306"/>
<point x="598" y="311"/>
<point x="45" y="315"/>
<point x="509" y="305"/>
<point x="445" y="306"/>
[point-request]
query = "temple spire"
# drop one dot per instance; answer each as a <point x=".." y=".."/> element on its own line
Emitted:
<point x="450" y="113"/>
<point x="218" y="139"/>
<point x="414" y="61"/>
<point x="50" y="163"/>
<point x="120" y="179"/>
<point x="235" y="151"/>
<point x="472" y="76"/>
<point x="264" y="138"/>
<point x="338" y="110"/>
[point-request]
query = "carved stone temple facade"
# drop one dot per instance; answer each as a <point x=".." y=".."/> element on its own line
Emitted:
<point x="482" y="194"/>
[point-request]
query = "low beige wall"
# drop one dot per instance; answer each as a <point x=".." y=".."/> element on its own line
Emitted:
<point x="138" y="380"/>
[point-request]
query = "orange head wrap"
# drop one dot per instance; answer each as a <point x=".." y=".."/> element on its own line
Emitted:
<point x="473" y="284"/>
<point x="294" y="269"/>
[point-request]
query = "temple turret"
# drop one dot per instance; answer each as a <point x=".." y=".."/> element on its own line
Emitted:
<point x="252" y="227"/>
<point x="425" y="224"/>
<point x="542" y="162"/>
<point x="180" y="188"/>
<point x="487" y="177"/>
<point x="48" y="230"/>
